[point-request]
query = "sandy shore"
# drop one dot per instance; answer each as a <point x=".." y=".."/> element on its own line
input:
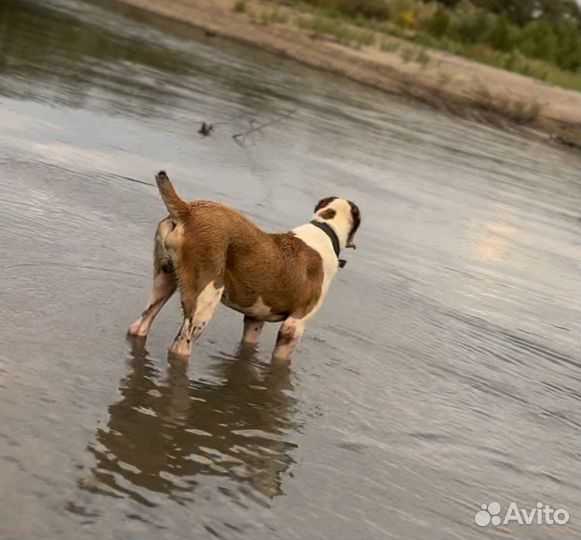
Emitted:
<point x="446" y="81"/>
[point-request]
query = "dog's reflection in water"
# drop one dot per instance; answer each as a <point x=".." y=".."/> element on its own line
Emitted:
<point x="167" y="431"/>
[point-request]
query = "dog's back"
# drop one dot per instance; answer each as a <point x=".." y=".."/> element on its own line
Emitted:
<point x="266" y="276"/>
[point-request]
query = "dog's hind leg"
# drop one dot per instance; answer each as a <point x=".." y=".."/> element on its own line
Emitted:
<point x="252" y="330"/>
<point x="164" y="281"/>
<point x="198" y="310"/>
<point x="288" y="338"/>
<point x="164" y="285"/>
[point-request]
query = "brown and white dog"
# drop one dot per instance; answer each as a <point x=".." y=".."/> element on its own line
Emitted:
<point x="213" y="253"/>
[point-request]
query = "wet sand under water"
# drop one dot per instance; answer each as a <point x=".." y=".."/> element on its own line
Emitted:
<point x="442" y="372"/>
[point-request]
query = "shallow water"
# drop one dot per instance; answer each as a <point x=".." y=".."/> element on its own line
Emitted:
<point x="442" y="372"/>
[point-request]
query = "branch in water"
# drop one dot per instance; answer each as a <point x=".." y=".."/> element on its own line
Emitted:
<point x="254" y="129"/>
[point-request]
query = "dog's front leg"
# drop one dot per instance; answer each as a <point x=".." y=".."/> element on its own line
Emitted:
<point x="252" y="330"/>
<point x="197" y="313"/>
<point x="164" y="285"/>
<point x="288" y="338"/>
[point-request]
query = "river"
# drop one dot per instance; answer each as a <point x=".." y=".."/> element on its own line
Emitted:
<point x="441" y="374"/>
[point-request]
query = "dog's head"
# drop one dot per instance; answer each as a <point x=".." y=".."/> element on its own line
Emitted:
<point x="343" y="215"/>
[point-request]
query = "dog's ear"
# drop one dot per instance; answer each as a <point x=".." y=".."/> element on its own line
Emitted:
<point x="324" y="202"/>
<point x="356" y="221"/>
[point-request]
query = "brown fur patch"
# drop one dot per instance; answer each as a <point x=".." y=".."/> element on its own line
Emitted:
<point x="329" y="213"/>
<point x="324" y="202"/>
<point x="356" y="217"/>
<point x="216" y="243"/>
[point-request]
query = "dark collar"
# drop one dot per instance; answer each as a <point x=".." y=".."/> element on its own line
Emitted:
<point x="328" y="230"/>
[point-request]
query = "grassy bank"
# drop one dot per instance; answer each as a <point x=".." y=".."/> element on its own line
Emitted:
<point x="470" y="32"/>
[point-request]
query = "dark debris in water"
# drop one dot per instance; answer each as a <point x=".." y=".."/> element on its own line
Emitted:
<point x="206" y="128"/>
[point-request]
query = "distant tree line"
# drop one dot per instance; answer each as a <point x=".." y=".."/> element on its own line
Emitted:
<point x="520" y="12"/>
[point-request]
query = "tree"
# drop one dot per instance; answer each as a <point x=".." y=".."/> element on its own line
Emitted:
<point x="520" y="12"/>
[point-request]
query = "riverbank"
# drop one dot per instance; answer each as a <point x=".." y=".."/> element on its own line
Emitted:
<point x="440" y="79"/>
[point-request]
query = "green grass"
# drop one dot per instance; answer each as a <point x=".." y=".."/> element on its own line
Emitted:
<point x="239" y="7"/>
<point x="510" y="61"/>
<point x="389" y="45"/>
<point x="273" y="16"/>
<point x="422" y="57"/>
<point x="407" y="54"/>
<point x="343" y="33"/>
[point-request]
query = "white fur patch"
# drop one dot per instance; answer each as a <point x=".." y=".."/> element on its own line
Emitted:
<point x="319" y="241"/>
<point x="194" y="324"/>
<point x="207" y="301"/>
<point x="342" y="219"/>
<point x="258" y="310"/>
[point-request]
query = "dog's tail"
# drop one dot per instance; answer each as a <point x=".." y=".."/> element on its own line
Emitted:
<point x="178" y="208"/>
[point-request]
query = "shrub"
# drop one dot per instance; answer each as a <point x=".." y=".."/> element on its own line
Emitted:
<point x="274" y="16"/>
<point x="559" y="43"/>
<point x="321" y="26"/>
<point x="500" y="35"/>
<point x="239" y="7"/>
<point x="369" y="9"/>
<point x="406" y="19"/>
<point x="407" y="54"/>
<point x="449" y="3"/>
<point x="389" y="46"/>
<point x="538" y="40"/>
<point x="568" y="54"/>
<point x="470" y="24"/>
<point x="439" y="23"/>
<point x="423" y="57"/>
